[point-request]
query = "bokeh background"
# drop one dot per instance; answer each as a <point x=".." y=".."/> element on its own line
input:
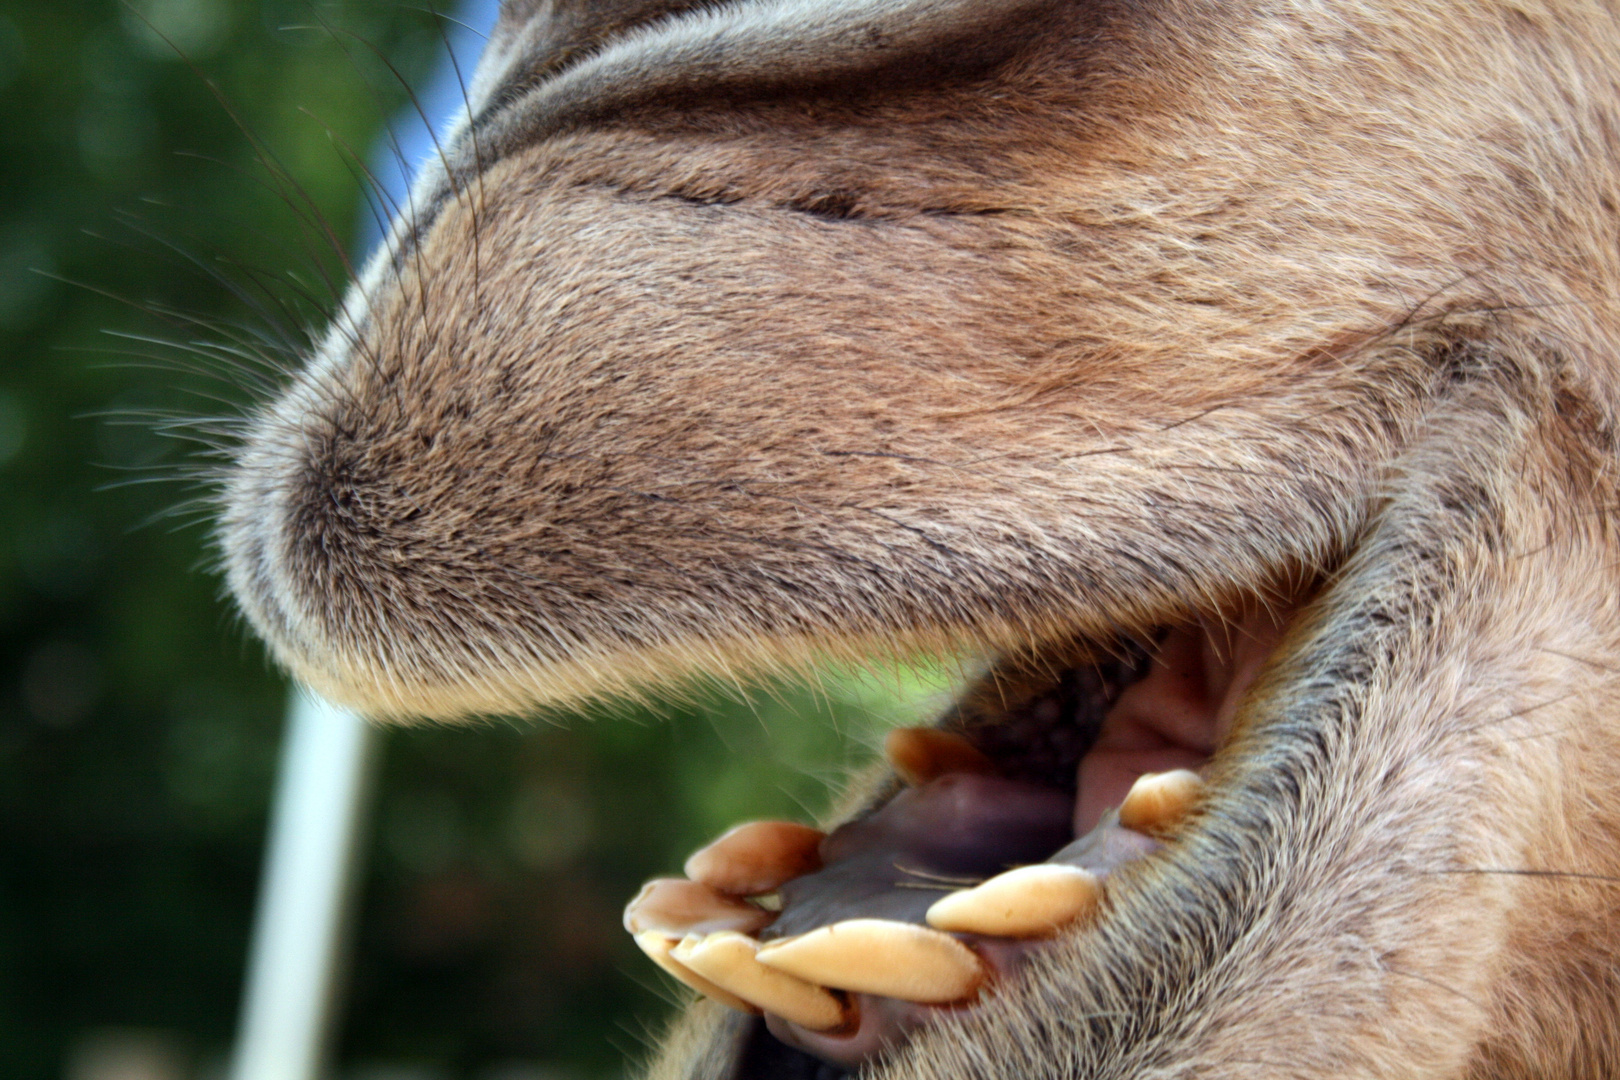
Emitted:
<point x="178" y="179"/>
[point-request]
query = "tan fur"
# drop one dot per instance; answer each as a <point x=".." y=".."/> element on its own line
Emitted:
<point x="726" y="339"/>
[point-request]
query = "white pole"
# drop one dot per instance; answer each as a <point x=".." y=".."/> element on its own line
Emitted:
<point x="310" y="869"/>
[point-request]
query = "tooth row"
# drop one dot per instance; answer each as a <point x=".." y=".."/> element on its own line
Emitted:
<point x="676" y="907"/>
<point x="758" y="857"/>
<point x="877" y="956"/>
<point x="920" y="754"/>
<point x="659" y="948"/>
<point x="789" y="977"/>
<point x="1158" y="801"/>
<point x="700" y="930"/>
<point x="1030" y="901"/>
<point x="728" y="959"/>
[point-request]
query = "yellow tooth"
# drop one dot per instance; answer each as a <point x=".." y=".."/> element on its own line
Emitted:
<point x="1158" y="800"/>
<point x="920" y="754"/>
<point x="876" y="956"/>
<point x="757" y="857"/>
<point x="727" y="960"/>
<point x="1030" y="901"/>
<point x="677" y="907"/>
<point x="658" y="947"/>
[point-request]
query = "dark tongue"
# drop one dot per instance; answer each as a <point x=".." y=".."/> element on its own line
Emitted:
<point x="927" y="841"/>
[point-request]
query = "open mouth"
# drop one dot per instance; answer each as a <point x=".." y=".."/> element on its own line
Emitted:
<point x="1007" y="821"/>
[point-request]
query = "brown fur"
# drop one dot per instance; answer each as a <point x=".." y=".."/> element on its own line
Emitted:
<point x="734" y="338"/>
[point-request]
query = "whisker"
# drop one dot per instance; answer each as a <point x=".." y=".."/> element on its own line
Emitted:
<point x="930" y="879"/>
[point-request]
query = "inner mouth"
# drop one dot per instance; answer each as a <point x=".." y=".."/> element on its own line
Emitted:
<point x="1071" y="764"/>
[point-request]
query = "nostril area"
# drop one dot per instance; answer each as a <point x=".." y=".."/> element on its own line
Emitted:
<point x="252" y="540"/>
<point x="305" y="537"/>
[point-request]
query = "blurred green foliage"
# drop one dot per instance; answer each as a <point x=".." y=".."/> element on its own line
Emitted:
<point x="139" y="722"/>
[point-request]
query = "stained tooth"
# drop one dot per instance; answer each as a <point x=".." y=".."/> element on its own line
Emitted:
<point x="676" y="907"/>
<point x="921" y="754"/>
<point x="727" y="960"/>
<point x="757" y="857"/>
<point x="1029" y="901"/>
<point x="1158" y="800"/>
<point x="876" y="956"/>
<point x="659" y="946"/>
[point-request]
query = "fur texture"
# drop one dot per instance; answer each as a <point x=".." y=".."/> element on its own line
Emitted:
<point x="729" y="337"/>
